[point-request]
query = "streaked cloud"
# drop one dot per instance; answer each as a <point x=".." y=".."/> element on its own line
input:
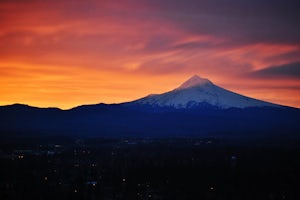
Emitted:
<point x="290" y="70"/>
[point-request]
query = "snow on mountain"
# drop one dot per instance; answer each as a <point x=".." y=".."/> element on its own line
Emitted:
<point x="194" y="81"/>
<point x="198" y="91"/>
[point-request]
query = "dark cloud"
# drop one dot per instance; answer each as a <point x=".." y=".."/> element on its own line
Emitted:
<point x="291" y="70"/>
<point x="291" y="56"/>
<point x="242" y="21"/>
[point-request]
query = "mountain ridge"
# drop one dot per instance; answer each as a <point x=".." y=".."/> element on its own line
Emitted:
<point x="138" y="119"/>
<point x="196" y="91"/>
<point x="212" y="95"/>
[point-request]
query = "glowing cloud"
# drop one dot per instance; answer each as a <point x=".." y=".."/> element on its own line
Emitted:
<point x="66" y="53"/>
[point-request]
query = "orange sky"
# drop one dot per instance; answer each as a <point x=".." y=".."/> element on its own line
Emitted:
<point x="67" y="53"/>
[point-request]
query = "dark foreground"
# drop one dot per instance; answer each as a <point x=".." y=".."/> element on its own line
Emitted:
<point x="182" y="168"/>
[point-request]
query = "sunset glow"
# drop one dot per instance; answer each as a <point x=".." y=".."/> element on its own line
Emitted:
<point x="67" y="53"/>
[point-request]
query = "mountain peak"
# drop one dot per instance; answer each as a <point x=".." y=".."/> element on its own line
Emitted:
<point x="194" y="81"/>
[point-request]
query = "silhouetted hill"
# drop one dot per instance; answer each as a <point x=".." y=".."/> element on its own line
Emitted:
<point x="196" y="108"/>
<point x="144" y="121"/>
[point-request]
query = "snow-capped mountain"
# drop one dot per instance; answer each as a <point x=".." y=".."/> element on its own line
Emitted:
<point x="158" y="116"/>
<point x="200" y="91"/>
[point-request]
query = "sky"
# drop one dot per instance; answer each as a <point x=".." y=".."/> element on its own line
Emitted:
<point x="61" y="53"/>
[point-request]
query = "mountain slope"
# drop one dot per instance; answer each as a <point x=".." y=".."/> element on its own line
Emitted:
<point x="196" y="108"/>
<point x="198" y="91"/>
